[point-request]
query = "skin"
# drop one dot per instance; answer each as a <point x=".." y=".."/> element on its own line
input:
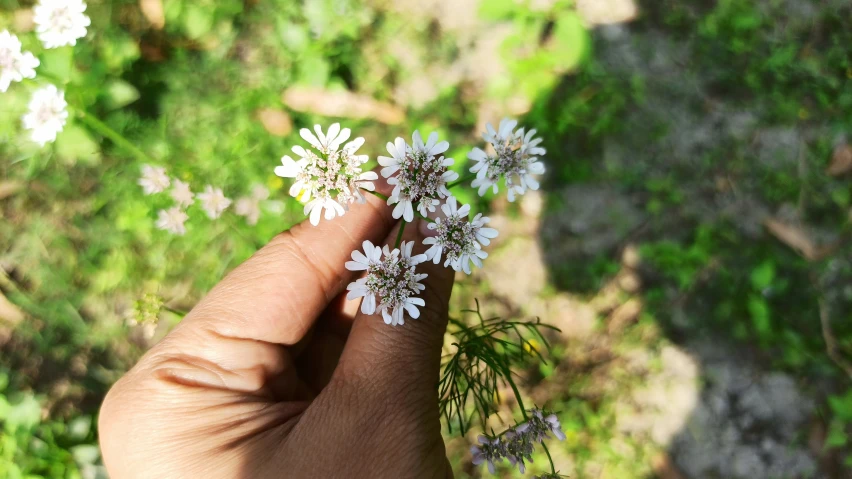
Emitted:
<point x="274" y="375"/>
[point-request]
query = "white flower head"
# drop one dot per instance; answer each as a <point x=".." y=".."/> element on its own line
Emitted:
<point x="47" y="114"/>
<point x="213" y="201"/>
<point x="458" y="238"/>
<point x="155" y="180"/>
<point x="172" y="220"/>
<point x="419" y="173"/>
<point x="181" y="192"/>
<point x="249" y="206"/>
<point x="331" y="178"/>
<point x="391" y="283"/>
<point x="516" y="159"/>
<point x="60" y="22"/>
<point x="15" y="65"/>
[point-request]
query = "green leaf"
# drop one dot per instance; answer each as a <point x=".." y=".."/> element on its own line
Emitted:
<point x="120" y="93"/>
<point x="314" y="70"/>
<point x="836" y="435"/>
<point x="762" y="276"/>
<point x="498" y="9"/>
<point x="57" y="63"/>
<point x="79" y="427"/>
<point x="570" y="42"/>
<point x="760" y="316"/>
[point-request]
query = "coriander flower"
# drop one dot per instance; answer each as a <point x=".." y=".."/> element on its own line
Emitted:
<point x="419" y="173"/>
<point x="47" y="114"/>
<point x="460" y="239"/>
<point x="172" y="220"/>
<point x="213" y="201"/>
<point x="60" y="22"/>
<point x="155" y="180"/>
<point x="516" y="159"/>
<point x="181" y="193"/>
<point x="540" y="425"/>
<point x="249" y="206"/>
<point x="391" y="282"/>
<point x="489" y="450"/>
<point x="330" y="179"/>
<point x="15" y="65"/>
<point x="519" y="446"/>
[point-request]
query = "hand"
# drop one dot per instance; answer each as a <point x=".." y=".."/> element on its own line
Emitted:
<point x="271" y="375"/>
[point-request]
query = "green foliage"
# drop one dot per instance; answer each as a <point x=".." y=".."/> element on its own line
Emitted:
<point x="486" y="356"/>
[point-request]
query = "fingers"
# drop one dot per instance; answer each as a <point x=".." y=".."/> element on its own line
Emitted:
<point x="277" y="294"/>
<point x="405" y="357"/>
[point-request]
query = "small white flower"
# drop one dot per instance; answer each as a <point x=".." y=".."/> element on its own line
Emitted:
<point x="213" y="201"/>
<point x="155" y="180"/>
<point x="461" y="240"/>
<point x="391" y="282"/>
<point x="60" y="22"/>
<point x="516" y="159"/>
<point x="47" y="114"/>
<point x="330" y="180"/>
<point x="172" y="220"/>
<point x="249" y="206"/>
<point x="419" y="173"/>
<point x="181" y="192"/>
<point x="15" y="65"/>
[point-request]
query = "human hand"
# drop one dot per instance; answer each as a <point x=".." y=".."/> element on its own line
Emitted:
<point x="273" y="374"/>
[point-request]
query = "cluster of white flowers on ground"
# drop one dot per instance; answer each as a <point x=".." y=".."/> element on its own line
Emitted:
<point x="518" y="443"/>
<point x="58" y="23"/>
<point x="330" y="177"/>
<point x="212" y="200"/>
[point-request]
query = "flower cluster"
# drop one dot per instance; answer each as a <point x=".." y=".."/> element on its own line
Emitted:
<point x="211" y="200"/>
<point x="58" y="23"/>
<point x="516" y="158"/>
<point x="391" y="282"/>
<point x="331" y="178"/>
<point x="518" y="443"/>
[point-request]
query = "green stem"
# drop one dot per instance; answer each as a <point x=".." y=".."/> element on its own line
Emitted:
<point x="508" y="378"/>
<point x="547" y="451"/>
<point x="113" y="135"/>
<point x="463" y="179"/>
<point x="428" y="219"/>
<point x="399" y="235"/>
<point x="376" y="194"/>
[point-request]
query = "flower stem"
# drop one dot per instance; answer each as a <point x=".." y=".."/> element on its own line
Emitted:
<point x="376" y="194"/>
<point x="509" y="380"/>
<point x="428" y="219"/>
<point x="463" y="179"/>
<point x="113" y="135"/>
<point x="399" y="235"/>
<point x="549" y="458"/>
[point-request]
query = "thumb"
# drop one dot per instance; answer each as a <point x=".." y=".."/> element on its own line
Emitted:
<point x="403" y="358"/>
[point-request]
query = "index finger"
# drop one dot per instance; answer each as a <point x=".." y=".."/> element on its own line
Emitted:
<point x="277" y="294"/>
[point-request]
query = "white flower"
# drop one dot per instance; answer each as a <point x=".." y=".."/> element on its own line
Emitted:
<point x="213" y="201"/>
<point x="422" y="175"/>
<point x="330" y="180"/>
<point x="249" y="206"/>
<point x="14" y="64"/>
<point x="460" y="239"/>
<point x="181" y="192"/>
<point x="391" y="282"/>
<point x="516" y="159"/>
<point x="60" y="22"/>
<point x="172" y="220"/>
<point x="47" y="114"/>
<point x="155" y="180"/>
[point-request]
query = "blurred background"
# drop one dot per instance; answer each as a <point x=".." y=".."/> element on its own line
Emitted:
<point x="691" y="238"/>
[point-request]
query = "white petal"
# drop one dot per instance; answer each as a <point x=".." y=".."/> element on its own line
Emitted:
<point x="310" y="138"/>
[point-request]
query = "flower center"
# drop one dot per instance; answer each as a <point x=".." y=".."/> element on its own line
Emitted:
<point x="509" y="160"/>
<point x="420" y="175"/>
<point x="393" y="280"/>
<point x="61" y="20"/>
<point x="456" y="235"/>
<point x="330" y="174"/>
